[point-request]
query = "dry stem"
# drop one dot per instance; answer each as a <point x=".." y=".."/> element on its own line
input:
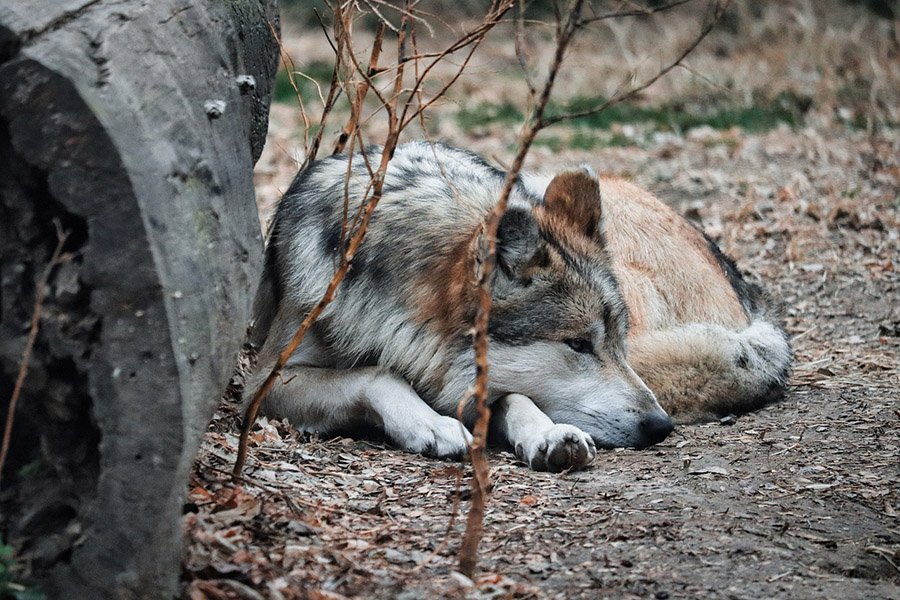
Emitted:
<point x="397" y="121"/>
<point x="377" y="184"/>
<point x="399" y="116"/>
<point x="717" y="12"/>
<point x="40" y="292"/>
<point x="468" y="553"/>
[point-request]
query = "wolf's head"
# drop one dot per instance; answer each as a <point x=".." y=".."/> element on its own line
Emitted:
<point x="559" y="323"/>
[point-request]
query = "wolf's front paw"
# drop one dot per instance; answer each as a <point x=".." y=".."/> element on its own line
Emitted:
<point x="558" y="448"/>
<point x="441" y="437"/>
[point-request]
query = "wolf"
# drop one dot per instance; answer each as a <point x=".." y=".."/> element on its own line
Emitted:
<point x="610" y="312"/>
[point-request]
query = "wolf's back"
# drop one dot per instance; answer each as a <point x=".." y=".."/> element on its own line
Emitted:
<point x="703" y="338"/>
<point x="434" y="197"/>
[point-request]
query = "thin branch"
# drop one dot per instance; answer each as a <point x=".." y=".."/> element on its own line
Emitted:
<point x="423" y="106"/>
<point x="40" y="292"/>
<point x="362" y="89"/>
<point x="473" y="38"/>
<point x="403" y="104"/>
<point x="520" y="48"/>
<point x="640" y="11"/>
<point x="288" y="64"/>
<point x="468" y="553"/>
<point x="330" y="101"/>
<point x="377" y="185"/>
<point x="493" y="18"/>
<point x="412" y="15"/>
<point x="718" y="11"/>
<point x="537" y="121"/>
<point x="382" y="20"/>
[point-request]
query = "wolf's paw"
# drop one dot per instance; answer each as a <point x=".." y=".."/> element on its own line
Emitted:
<point x="441" y="437"/>
<point x="558" y="448"/>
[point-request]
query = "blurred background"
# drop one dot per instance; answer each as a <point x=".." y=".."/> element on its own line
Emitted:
<point x="795" y="62"/>
<point x="767" y="65"/>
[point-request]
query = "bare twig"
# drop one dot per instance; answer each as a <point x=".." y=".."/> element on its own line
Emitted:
<point x="362" y="89"/>
<point x="288" y="64"/>
<point x="40" y="292"/>
<point x="565" y="32"/>
<point x="398" y="118"/>
<point x="374" y="195"/>
<point x="412" y="15"/>
<point x="520" y="49"/>
<point x="638" y="11"/>
<point x="404" y="104"/>
<point x="472" y="39"/>
<point x="330" y="101"/>
<point x="717" y="12"/>
<point x="468" y="553"/>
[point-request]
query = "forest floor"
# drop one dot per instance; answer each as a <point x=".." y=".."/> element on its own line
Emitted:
<point x="798" y="500"/>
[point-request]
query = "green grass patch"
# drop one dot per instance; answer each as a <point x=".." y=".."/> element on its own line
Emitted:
<point x="485" y="114"/>
<point x="762" y="115"/>
<point x="583" y="139"/>
<point x="8" y="587"/>
<point x="618" y="140"/>
<point x="319" y="71"/>
<point x="553" y="142"/>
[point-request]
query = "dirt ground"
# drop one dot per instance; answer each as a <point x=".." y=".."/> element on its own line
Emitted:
<point x="799" y="500"/>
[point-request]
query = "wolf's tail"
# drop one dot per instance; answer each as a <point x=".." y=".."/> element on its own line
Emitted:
<point x="704" y="372"/>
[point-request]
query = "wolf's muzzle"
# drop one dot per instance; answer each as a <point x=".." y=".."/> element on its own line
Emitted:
<point x="654" y="429"/>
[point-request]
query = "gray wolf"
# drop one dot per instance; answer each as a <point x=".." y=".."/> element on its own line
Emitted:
<point x="605" y="304"/>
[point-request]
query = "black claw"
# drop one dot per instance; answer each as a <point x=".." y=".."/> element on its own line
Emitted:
<point x="520" y="452"/>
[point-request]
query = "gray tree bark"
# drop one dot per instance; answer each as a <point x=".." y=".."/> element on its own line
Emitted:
<point x="136" y="125"/>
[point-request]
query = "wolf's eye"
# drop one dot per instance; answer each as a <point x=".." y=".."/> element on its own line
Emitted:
<point x="581" y="345"/>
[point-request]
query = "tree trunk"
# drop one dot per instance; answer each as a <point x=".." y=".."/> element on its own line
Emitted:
<point x="136" y="126"/>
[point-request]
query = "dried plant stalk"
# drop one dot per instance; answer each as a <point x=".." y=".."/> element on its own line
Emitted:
<point x="399" y="116"/>
<point x="538" y="120"/>
<point x="362" y="89"/>
<point x="468" y="553"/>
<point x="403" y="106"/>
<point x="40" y="292"/>
<point x="356" y="239"/>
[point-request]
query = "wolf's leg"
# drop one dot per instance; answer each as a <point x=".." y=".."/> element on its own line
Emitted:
<point x="544" y="445"/>
<point x="329" y="400"/>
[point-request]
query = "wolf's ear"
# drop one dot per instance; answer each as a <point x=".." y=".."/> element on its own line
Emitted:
<point x="520" y="247"/>
<point x="573" y="200"/>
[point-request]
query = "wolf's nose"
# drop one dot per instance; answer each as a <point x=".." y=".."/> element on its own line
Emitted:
<point x="655" y="429"/>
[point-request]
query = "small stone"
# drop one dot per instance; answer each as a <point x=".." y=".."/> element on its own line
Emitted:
<point x="214" y="108"/>
<point x="67" y="282"/>
<point x="397" y="557"/>
<point x="300" y="528"/>
<point x="461" y="579"/>
<point x="538" y="567"/>
<point x="246" y="83"/>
